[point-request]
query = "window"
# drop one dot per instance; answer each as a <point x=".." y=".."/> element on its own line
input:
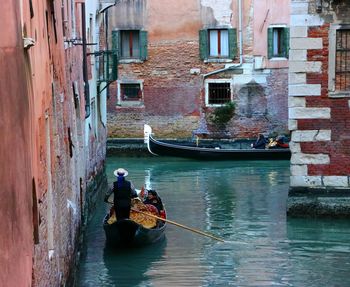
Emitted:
<point x="130" y="44"/>
<point x="218" y="43"/>
<point x="130" y="93"/>
<point x="278" y="42"/>
<point x="218" y="93"/>
<point x="339" y="60"/>
<point x="342" y="60"/>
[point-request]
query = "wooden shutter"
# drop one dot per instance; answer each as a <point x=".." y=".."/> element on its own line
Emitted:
<point x="113" y="56"/>
<point x="203" y="44"/>
<point x="232" y="43"/>
<point x="270" y="43"/>
<point x="285" y="42"/>
<point x="116" y="42"/>
<point x="143" y="45"/>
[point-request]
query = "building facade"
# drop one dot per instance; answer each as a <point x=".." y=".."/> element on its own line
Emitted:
<point x="180" y="60"/>
<point x="54" y="125"/>
<point x="319" y="108"/>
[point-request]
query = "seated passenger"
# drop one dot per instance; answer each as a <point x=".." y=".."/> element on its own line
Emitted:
<point x="279" y="142"/>
<point x="260" y="143"/>
<point x="154" y="199"/>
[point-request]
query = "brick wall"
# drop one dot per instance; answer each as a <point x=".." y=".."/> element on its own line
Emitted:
<point x="173" y="76"/>
<point x="319" y="121"/>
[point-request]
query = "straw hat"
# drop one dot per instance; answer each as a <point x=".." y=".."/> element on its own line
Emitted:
<point x="121" y="172"/>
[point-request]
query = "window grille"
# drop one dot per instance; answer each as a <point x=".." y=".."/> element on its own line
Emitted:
<point x="342" y="65"/>
<point x="130" y="92"/>
<point x="219" y="93"/>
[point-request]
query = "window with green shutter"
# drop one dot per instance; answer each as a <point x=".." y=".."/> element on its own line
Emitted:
<point x="132" y="44"/>
<point x="217" y="43"/>
<point x="278" y="42"/>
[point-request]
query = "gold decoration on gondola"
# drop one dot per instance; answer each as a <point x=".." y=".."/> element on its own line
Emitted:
<point x="142" y="219"/>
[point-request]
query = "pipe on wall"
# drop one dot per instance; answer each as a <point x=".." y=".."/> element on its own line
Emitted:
<point x="318" y="6"/>
<point x="85" y="70"/>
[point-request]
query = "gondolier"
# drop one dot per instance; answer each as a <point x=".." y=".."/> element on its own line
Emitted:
<point x="123" y="191"/>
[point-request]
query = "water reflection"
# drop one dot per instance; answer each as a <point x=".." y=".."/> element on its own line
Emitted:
<point x="129" y="267"/>
<point x="319" y="251"/>
<point x="242" y="202"/>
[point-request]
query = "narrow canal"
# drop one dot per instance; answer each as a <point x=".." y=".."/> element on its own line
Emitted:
<point x="242" y="202"/>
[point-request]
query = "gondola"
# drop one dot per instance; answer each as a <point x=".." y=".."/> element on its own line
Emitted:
<point x="130" y="232"/>
<point x="161" y="148"/>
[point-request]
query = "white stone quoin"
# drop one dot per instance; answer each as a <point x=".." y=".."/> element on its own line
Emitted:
<point x="338" y="181"/>
<point x="294" y="147"/>
<point x="304" y="158"/>
<point x="297" y="170"/>
<point x="305" y="90"/>
<point x="306" y="20"/>
<point x="306" y="67"/>
<point x="306" y="181"/>
<point x="292" y="125"/>
<point x="298" y="32"/>
<point x="298" y="55"/>
<point x="309" y="113"/>
<point x="297" y="78"/>
<point x="296" y="102"/>
<point x="311" y="135"/>
<point x="306" y="43"/>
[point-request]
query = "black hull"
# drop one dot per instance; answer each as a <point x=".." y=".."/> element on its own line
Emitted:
<point x="168" y="149"/>
<point x="128" y="233"/>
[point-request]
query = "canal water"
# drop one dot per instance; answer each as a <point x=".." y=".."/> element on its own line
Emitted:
<point x="242" y="202"/>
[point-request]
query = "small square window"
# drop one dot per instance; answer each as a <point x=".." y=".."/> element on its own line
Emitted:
<point x="130" y="92"/>
<point x="278" y="42"/>
<point x="219" y="93"/>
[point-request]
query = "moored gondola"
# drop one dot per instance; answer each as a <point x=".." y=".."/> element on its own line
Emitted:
<point x="161" y="148"/>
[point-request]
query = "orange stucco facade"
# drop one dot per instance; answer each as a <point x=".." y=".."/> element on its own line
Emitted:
<point x="16" y="238"/>
<point x="53" y="144"/>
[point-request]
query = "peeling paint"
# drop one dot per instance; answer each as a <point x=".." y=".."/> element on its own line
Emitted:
<point x="221" y="9"/>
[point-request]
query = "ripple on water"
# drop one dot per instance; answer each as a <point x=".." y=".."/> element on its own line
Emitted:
<point x="242" y="202"/>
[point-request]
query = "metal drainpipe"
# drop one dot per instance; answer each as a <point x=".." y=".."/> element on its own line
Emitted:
<point x="240" y="45"/>
<point x="240" y="32"/>
<point x="85" y="71"/>
<point x="319" y="6"/>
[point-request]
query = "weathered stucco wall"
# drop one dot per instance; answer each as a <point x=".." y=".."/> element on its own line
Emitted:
<point x="16" y="239"/>
<point x="49" y="160"/>
<point x="174" y="77"/>
<point x="267" y="13"/>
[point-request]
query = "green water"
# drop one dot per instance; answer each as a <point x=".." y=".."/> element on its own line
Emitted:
<point x="242" y="202"/>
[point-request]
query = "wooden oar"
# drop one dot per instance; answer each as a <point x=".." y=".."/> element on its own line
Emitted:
<point x="179" y="225"/>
